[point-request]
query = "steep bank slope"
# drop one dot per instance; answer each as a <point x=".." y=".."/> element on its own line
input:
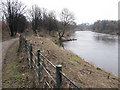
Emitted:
<point x="80" y="71"/>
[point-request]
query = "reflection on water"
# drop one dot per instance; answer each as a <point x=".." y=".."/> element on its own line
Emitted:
<point x="106" y="38"/>
<point x="96" y="48"/>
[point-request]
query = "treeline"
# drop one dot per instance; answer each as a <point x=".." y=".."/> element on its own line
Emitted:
<point x="106" y="26"/>
<point x="13" y="16"/>
<point x="84" y="27"/>
<point x="19" y="18"/>
<point x="40" y="19"/>
<point x="101" y="26"/>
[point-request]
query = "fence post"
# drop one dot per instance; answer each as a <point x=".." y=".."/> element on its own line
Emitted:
<point x="20" y="43"/>
<point x="58" y="76"/>
<point x="39" y="73"/>
<point x="26" y="46"/>
<point x="31" y="55"/>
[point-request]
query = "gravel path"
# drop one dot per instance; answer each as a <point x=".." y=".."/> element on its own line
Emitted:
<point x="3" y="49"/>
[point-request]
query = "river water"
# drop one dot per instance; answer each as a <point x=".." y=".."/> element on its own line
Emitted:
<point x="98" y="49"/>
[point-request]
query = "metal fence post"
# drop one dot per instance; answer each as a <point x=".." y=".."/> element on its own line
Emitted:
<point x="58" y="76"/>
<point x="39" y="73"/>
<point x="31" y="55"/>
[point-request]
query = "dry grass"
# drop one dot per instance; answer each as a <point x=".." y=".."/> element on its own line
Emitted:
<point x="6" y="33"/>
<point x="80" y="71"/>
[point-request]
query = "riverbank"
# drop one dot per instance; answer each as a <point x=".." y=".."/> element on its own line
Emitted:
<point x="83" y="73"/>
<point x="105" y="32"/>
<point x="96" y="48"/>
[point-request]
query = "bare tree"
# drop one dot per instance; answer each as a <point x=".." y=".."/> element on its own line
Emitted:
<point x="36" y="17"/>
<point x="45" y="18"/>
<point x="22" y="23"/>
<point x="41" y="18"/>
<point x="67" y="19"/>
<point x="12" y="10"/>
<point x="52" y="22"/>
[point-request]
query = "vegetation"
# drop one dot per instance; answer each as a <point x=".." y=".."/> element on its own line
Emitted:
<point x="15" y="71"/>
<point x="13" y="13"/>
<point x="14" y="16"/>
<point x="67" y="18"/>
<point x="101" y="26"/>
<point x="81" y="72"/>
<point x="14" y="67"/>
<point x="106" y="26"/>
<point x="84" y="26"/>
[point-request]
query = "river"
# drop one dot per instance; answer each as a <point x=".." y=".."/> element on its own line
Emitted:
<point x="101" y="50"/>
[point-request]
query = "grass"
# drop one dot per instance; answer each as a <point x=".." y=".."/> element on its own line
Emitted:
<point x="6" y="35"/>
<point x="55" y="39"/>
<point x="5" y="39"/>
<point x="75" y="58"/>
<point x="10" y="69"/>
<point x="74" y="67"/>
<point x="12" y="75"/>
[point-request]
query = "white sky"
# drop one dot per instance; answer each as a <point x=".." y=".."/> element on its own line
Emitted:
<point x="84" y="10"/>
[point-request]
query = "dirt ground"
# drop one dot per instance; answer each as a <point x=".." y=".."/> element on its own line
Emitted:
<point x="81" y="72"/>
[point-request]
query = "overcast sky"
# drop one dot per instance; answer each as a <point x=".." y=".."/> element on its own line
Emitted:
<point x="84" y="10"/>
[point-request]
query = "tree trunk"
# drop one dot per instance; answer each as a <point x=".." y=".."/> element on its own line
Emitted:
<point x="11" y="30"/>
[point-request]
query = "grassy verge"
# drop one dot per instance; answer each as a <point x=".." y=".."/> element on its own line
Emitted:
<point x="5" y="38"/>
<point x="15" y="71"/>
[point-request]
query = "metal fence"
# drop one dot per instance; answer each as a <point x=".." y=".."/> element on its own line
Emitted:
<point x="38" y="63"/>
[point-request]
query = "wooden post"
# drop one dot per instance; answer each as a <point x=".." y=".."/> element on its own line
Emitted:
<point x="20" y="43"/>
<point x="58" y="76"/>
<point x="39" y="73"/>
<point x="108" y="76"/>
<point x="31" y="55"/>
<point x="26" y="46"/>
<point x="26" y="50"/>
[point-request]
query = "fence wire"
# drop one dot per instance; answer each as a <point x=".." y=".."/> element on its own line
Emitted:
<point x="35" y="66"/>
